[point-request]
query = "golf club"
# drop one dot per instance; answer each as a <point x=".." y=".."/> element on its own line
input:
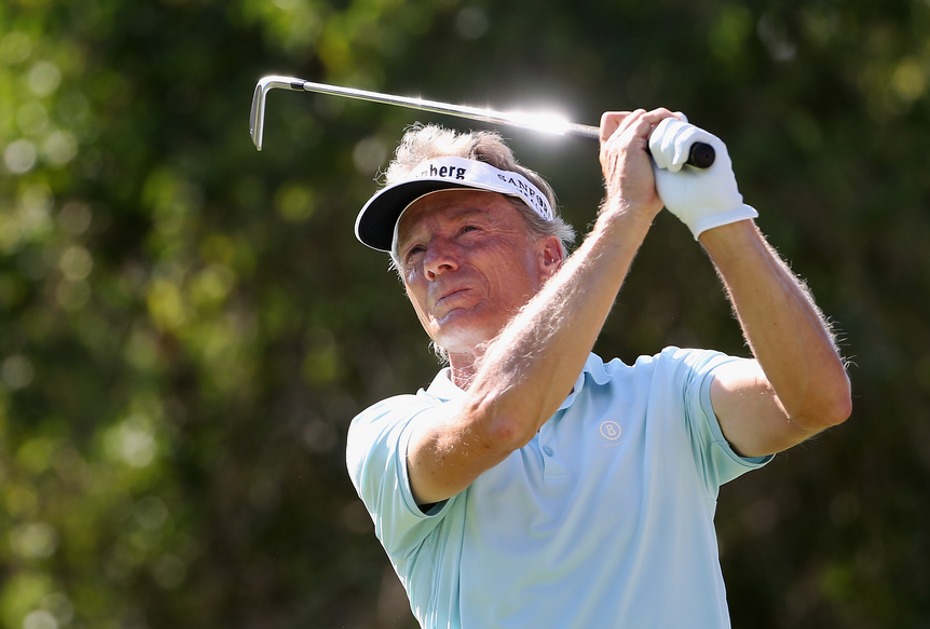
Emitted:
<point x="701" y="155"/>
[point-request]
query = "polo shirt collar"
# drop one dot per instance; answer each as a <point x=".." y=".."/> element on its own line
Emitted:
<point x="443" y="389"/>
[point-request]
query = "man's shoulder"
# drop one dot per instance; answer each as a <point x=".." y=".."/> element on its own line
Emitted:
<point x="403" y="405"/>
<point x="394" y="408"/>
<point x="378" y="431"/>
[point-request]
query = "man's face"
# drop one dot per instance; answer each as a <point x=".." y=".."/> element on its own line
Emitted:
<point x="468" y="264"/>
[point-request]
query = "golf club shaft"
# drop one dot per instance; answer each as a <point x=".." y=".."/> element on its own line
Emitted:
<point x="701" y="154"/>
<point x="543" y="123"/>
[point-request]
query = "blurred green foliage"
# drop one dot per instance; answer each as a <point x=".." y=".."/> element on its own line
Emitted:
<point x="188" y="325"/>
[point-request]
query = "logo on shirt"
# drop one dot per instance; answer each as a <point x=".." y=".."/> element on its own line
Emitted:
<point x="610" y="430"/>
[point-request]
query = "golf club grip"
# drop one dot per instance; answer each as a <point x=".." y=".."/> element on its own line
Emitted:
<point x="701" y="154"/>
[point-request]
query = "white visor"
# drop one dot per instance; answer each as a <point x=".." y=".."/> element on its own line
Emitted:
<point x="375" y="224"/>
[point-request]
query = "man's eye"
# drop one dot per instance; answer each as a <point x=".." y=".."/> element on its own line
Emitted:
<point x="413" y="251"/>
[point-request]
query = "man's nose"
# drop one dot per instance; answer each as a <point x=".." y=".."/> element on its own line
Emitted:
<point x="441" y="256"/>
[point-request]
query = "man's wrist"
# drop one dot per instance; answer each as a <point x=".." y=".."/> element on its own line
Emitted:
<point x="619" y="207"/>
<point x="619" y="219"/>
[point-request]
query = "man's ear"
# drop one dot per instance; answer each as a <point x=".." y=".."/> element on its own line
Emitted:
<point x="551" y="255"/>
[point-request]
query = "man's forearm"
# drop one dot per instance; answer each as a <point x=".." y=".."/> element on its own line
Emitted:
<point x="531" y="366"/>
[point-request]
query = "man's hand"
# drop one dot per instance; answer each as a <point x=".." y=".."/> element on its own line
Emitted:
<point x="629" y="182"/>
<point x="701" y="198"/>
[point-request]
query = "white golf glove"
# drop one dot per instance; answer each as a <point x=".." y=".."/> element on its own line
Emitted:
<point x="701" y="198"/>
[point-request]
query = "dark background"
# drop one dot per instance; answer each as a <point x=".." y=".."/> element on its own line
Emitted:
<point x="188" y="325"/>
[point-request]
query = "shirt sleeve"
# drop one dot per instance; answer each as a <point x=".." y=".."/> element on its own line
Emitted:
<point x="376" y="458"/>
<point x="717" y="462"/>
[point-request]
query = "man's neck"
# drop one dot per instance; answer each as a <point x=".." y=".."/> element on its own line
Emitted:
<point x="464" y="366"/>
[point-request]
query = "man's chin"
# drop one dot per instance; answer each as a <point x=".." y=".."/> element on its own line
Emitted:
<point x="462" y="339"/>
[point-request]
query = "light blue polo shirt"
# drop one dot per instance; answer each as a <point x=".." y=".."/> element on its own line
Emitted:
<point x="604" y="519"/>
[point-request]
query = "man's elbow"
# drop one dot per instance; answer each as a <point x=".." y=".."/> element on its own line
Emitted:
<point x="508" y="434"/>
<point x="500" y="427"/>
<point x="833" y="404"/>
<point x="842" y="407"/>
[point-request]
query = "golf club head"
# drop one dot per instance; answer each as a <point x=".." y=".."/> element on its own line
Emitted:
<point x="257" y="115"/>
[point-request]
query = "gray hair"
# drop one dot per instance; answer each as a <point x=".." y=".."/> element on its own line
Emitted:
<point x="422" y="142"/>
